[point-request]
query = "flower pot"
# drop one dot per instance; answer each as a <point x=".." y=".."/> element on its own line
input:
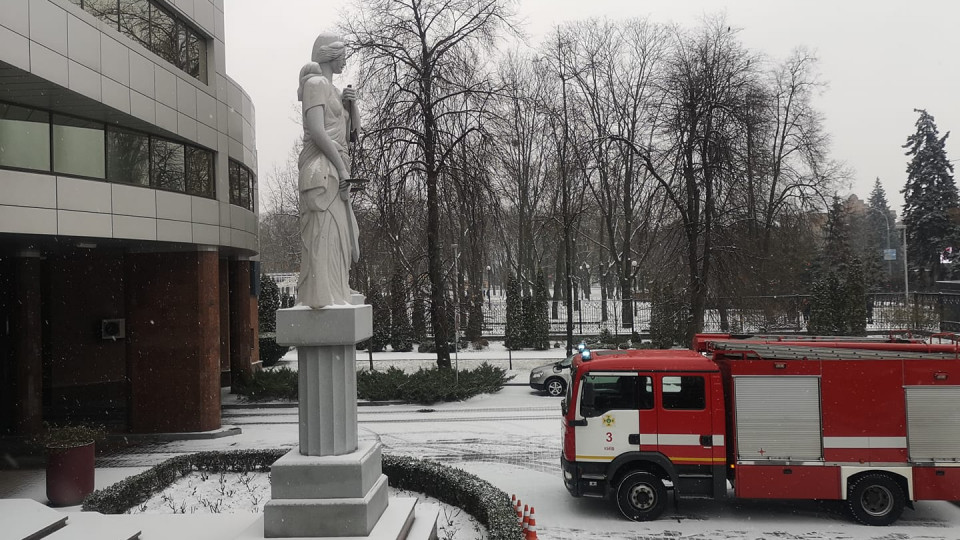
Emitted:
<point x="70" y="474"/>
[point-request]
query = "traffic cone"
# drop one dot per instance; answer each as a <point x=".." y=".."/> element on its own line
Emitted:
<point x="519" y="511"/>
<point x="532" y="527"/>
<point x="526" y="520"/>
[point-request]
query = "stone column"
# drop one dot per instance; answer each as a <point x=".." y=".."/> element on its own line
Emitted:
<point x="331" y="486"/>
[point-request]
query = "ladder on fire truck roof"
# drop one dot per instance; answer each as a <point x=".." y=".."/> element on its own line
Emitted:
<point x="747" y="351"/>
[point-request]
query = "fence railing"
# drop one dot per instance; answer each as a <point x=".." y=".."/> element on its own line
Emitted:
<point x="924" y="312"/>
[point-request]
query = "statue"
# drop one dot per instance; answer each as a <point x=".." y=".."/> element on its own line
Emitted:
<point x="328" y="227"/>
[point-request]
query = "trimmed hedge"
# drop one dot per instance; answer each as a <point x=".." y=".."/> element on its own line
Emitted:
<point x="428" y="386"/>
<point x="135" y="490"/>
<point x="489" y="505"/>
<point x="264" y="385"/>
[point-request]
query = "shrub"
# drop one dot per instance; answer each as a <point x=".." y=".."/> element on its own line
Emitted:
<point x="380" y="385"/>
<point x="270" y="352"/>
<point x="267" y="304"/>
<point x="427" y="347"/>
<point x="480" y="344"/>
<point x="489" y="505"/>
<point x="266" y="385"/>
<point x="428" y="386"/>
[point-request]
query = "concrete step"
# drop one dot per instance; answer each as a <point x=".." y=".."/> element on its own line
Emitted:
<point x="95" y="526"/>
<point x="26" y="519"/>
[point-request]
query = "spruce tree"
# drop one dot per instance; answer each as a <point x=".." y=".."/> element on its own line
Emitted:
<point x="838" y="296"/>
<point x="268" y="304"/>
<point x="930" y="199"/>
<point x="401" y="333"/>
<point x="881" y="220"/>
<point x="513" y="333"/>
<point x="539" y="316"/>
<point x="381" y="319"/>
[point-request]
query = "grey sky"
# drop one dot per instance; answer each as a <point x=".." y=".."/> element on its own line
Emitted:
<point x="880" y="58"/>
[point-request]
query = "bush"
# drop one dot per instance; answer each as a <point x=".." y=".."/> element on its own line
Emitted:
<point x="427" y="347"/>
<point x="489" y="505"/>
<point x="380" y="385"/>
<point x="428" y="386"/>
<point x="266" y="385"/>
<point x="270" y="352"/>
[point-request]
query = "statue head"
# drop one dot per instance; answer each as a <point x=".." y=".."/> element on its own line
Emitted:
<point x="327" y="48"/>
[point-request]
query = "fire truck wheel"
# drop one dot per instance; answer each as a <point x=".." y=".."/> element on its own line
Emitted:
<point x="641" y="496"/>
<point x="555" y="387"/>
<point x="876" y="499"/>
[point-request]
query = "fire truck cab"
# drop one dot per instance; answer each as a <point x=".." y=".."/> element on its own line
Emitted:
<point x="873" y="427"/>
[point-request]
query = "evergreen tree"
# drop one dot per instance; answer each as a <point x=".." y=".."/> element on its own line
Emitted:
<point x="838" y="301"/>
<point x="668" y="316"/>
<point x="513" y="333"/>
<point x="881" y="220"/>
<point x="419" y="316"/>
<point x="539" y="316"/>
<point x="930" y="199"/>
<point x="401" y="333"/>
<point x="268" y="304"/>
<point x="381" y="319"/>
<point x="475" y="317"/>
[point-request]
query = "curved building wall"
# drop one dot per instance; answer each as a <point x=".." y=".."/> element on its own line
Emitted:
<point x="56" y="57"/>
<point x="128" y="215"/>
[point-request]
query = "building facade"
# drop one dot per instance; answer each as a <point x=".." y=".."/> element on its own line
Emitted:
<point x="128" y="215"/>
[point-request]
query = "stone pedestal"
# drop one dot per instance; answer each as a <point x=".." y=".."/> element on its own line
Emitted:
<point x="332" y="486"/>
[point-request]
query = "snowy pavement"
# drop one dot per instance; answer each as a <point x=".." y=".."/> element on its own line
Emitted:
<point x="512" y="439"/>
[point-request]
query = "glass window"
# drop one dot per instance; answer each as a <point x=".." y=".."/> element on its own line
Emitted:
<point x="199" y="172"/>
<point x="163" y="35"/>
<point x="78" y="147"/>
<point x="106" y="10"/>
<point x="24" y="138"/>
<point x="244" y="199"/>
<point x="686" y="392"/>
<point x="602" y="393"/>
<point x="234" y="182"/>
<point x="167" y="167"/>
<point x="128" y="157"/>
<point x="197" y="57"/>
<point x="135" y="20"/>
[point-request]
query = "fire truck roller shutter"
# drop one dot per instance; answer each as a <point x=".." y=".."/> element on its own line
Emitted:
<point x="778" y="418"/>
<point x="933" y="422"/>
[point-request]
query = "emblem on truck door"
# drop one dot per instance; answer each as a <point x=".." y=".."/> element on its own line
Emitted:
<point x="608" y="420"/>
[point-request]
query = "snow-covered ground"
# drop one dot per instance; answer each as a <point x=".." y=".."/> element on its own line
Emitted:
<point x="512" y="440"/>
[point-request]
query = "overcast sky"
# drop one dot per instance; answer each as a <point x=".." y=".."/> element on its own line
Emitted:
<point x="880" y="59"/>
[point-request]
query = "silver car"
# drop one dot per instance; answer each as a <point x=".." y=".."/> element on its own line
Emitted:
<point x="552" y="378"/>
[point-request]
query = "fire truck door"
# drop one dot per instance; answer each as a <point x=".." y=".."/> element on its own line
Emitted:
<point x="613" y="414"/>
<point x="687" y="435"/>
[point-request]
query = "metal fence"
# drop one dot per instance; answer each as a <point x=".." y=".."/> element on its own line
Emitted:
<point x="923" y="312"/>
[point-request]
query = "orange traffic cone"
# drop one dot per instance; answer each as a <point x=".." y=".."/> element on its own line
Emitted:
<point x="526" y="520"/>
<point x="532" y="527"/>
<point x="519" y="511"/>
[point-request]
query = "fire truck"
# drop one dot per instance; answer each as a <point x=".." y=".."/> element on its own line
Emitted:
<point x="875" y="424"/>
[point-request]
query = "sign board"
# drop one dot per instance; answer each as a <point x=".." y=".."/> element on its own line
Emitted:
<point x="889" y="254"/>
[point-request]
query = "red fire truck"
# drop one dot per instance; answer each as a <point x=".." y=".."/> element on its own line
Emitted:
<point x="874" y="424"/>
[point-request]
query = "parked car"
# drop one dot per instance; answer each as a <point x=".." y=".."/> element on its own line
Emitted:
<point x="552" y="378"/>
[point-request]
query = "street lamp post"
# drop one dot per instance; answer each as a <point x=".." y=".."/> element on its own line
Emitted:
<point x="906" y="282"/>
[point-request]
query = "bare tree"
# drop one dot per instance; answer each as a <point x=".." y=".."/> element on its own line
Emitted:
<point x="422" y="53"/>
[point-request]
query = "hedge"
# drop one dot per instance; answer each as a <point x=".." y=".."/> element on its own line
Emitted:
<point x="489" y="505"/>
